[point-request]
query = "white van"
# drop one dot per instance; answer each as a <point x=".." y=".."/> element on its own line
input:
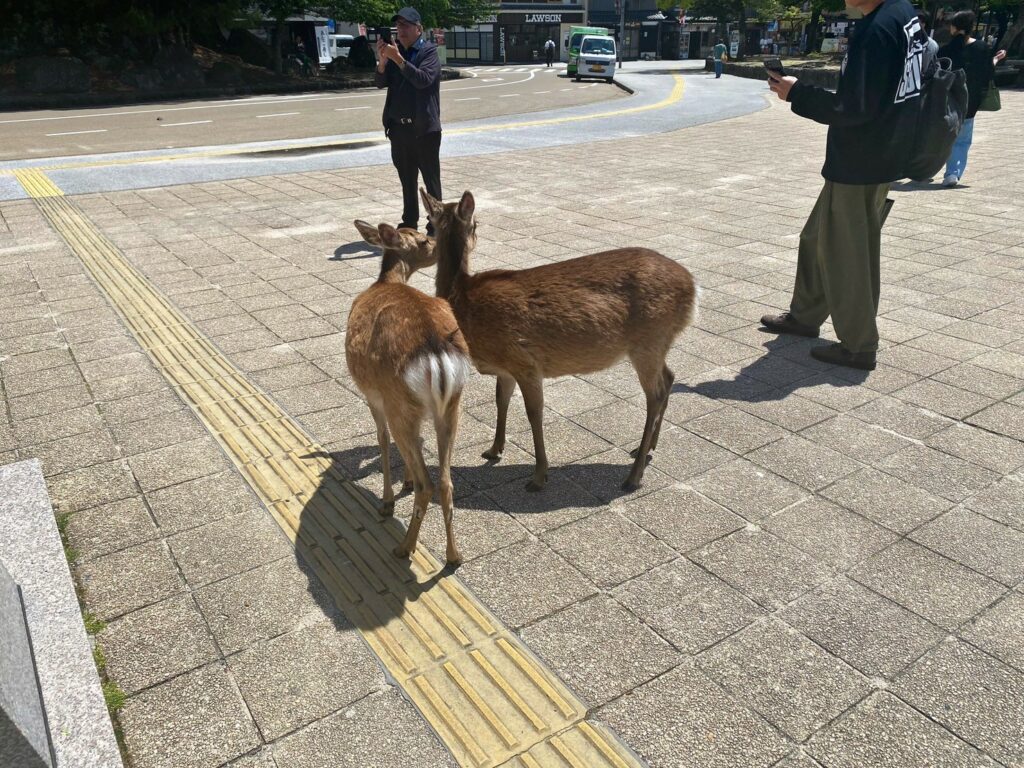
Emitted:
<point x="597" y="58"/>
<point x="340" y="45"/>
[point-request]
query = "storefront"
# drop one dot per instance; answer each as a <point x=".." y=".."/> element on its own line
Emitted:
<point x="520" y="37"/>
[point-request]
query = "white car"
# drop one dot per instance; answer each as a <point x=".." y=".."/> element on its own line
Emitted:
<point x="597" y="58"/>
<point x="340" y="45"/>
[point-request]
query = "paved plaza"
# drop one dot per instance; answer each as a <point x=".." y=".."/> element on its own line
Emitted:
<point x="823" y="567"/>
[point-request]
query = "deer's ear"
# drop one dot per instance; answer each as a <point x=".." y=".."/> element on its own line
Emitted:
<point x="368" y="232"/>
<point x="466" y="206"/>
<point x="389" y="235"/>
<point x="432" y="204"/>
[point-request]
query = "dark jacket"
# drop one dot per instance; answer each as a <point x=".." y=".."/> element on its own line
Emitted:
<point x="976" y="62"/>
<point x="414" y="89"/>
<point x="872" y="116"/>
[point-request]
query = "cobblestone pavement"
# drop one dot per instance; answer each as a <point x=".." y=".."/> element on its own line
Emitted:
<point x="822" y="568"/>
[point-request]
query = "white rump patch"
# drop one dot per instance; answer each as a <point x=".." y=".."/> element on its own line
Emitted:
<point x="434" y="378"/>
<point x="698" y="292"/>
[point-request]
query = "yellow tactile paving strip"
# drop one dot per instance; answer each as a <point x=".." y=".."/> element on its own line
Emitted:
<point x="488" y="698"/>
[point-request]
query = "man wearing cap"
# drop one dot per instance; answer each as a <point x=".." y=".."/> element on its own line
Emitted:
<point x="411" y="72"/>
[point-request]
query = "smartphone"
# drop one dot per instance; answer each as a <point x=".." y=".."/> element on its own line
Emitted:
<point x="384" y="33"/>
<point x="774" y="65"/>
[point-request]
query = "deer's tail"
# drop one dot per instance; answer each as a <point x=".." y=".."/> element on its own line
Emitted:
<point x="436" y="376"/>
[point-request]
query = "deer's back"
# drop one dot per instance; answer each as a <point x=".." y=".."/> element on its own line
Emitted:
<point x="390" y="325"/>
<point x="574" y="316"/>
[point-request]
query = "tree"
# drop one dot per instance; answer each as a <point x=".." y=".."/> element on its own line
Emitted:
<point x="730" y="11"/>
<point x="819" y="7"/>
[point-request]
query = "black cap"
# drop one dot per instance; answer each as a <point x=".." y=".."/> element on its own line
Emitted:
<point x="409" y="14"/>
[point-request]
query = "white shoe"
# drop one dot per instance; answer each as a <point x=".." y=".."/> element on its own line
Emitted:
<point x="950" y="181"/>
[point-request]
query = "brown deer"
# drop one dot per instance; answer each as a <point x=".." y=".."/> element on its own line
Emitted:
<point x="573" y="317"/>
<point x="409" y="359"/>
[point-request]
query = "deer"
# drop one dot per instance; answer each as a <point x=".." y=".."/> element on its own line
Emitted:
<point x="572" y="317"/>
<point x="407" y="356"/>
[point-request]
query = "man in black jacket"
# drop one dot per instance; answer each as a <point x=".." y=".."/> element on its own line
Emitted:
<point x="871" y="119"/>
<point x="411" y="72"/>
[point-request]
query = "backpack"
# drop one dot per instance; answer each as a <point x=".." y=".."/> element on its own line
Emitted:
<point x="939" y="120"/>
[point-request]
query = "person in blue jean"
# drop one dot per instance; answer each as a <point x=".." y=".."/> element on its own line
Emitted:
<point x="719" y="54"/>
<point x="975" y="58"/>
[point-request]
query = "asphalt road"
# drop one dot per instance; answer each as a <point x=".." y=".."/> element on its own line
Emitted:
<point x="520" y="111"/>
<point x="485" y="92"/>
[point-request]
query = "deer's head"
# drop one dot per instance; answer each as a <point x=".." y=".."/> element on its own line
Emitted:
<point x="453" y="222"/>
<point x="405" y="248"/>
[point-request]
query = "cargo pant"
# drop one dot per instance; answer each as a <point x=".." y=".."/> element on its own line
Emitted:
<point x="837" y="270"/>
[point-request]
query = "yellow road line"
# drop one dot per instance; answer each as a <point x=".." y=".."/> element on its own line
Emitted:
<point x="675" y="95"/>
<point x="488" y="698"/>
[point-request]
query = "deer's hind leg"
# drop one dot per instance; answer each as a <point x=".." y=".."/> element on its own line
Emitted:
<point x="656" y="380"/>
<point x="447" y="425"/>
<point x="384" y="443"/>
<point x="406" y="433"/>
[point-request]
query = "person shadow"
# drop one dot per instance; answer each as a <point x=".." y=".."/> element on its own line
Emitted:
<point x="785" y="368"/>
<point x="357" y="249"/>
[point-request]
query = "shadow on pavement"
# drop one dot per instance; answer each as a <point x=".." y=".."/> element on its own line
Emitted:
<point x="753" y="382"/>
<point x="357" y="249"/>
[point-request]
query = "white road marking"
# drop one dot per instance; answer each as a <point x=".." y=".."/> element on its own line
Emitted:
<point x="469" y="98"/>
<point x="304" y="98"/>
<point x="75" y="133"/>
<point x="194" y="122"/>
<point x="508" y="95"/>
<point x="346" y="109"/>
<point x="539" y="92"/>
<point x="280" y="114"/>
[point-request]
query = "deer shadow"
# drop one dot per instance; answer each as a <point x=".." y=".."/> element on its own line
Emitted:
<point x="343" y="536"/>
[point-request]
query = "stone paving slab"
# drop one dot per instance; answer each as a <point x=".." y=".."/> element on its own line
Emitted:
<point x="823" y="567"/>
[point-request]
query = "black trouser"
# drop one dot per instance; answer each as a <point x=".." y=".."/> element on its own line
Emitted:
<point x="413" y="155"/>
<point x="549" y="53"/>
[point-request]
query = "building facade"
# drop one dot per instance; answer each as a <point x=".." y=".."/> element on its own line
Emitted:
<point x="515" y="34"/>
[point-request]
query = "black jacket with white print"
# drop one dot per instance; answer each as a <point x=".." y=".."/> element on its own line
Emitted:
<point x="873" y="113"/>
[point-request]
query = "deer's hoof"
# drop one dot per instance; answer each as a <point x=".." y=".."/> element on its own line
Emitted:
<point x="387" y="509"/>
<point x="492" y="454"/>
<point x="534" y="486"/>
<point x="630" y="485"/>
<point x="400" y="552"/>
<point x="454" y="561"/>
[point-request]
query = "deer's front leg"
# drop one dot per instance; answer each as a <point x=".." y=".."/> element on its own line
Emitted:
<point x="504" y="388"/>
<point x="533" y="396"/>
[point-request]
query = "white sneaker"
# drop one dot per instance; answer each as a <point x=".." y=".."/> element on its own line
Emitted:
<point x="950" y="181"/>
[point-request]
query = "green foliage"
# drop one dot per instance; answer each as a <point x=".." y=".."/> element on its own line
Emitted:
<point x="93" y="625"/>
<point x="114" y="696"/>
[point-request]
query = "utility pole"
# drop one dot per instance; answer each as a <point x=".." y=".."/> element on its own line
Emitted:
<point x="622" y="30"/>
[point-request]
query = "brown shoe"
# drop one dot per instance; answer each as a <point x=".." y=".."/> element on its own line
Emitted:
<point x="837" y="354"/>
<point x="785" y="323"/>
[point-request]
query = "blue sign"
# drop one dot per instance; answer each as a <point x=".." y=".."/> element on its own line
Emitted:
<point x="330" y="26"/>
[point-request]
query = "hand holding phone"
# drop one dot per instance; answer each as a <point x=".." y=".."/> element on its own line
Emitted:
<point x="384" y="33"/>
<point x="774" y="66"/>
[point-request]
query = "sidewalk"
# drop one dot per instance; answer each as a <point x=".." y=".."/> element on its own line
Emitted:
<point x="822" y="568"/>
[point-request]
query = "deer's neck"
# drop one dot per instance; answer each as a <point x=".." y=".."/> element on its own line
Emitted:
<point x="393" y="270"/>
<point x="452" y="265"/>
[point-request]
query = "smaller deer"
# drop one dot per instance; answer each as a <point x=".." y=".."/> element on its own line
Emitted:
<point x="408" y="358"/>
<point x="572" y="317"/>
